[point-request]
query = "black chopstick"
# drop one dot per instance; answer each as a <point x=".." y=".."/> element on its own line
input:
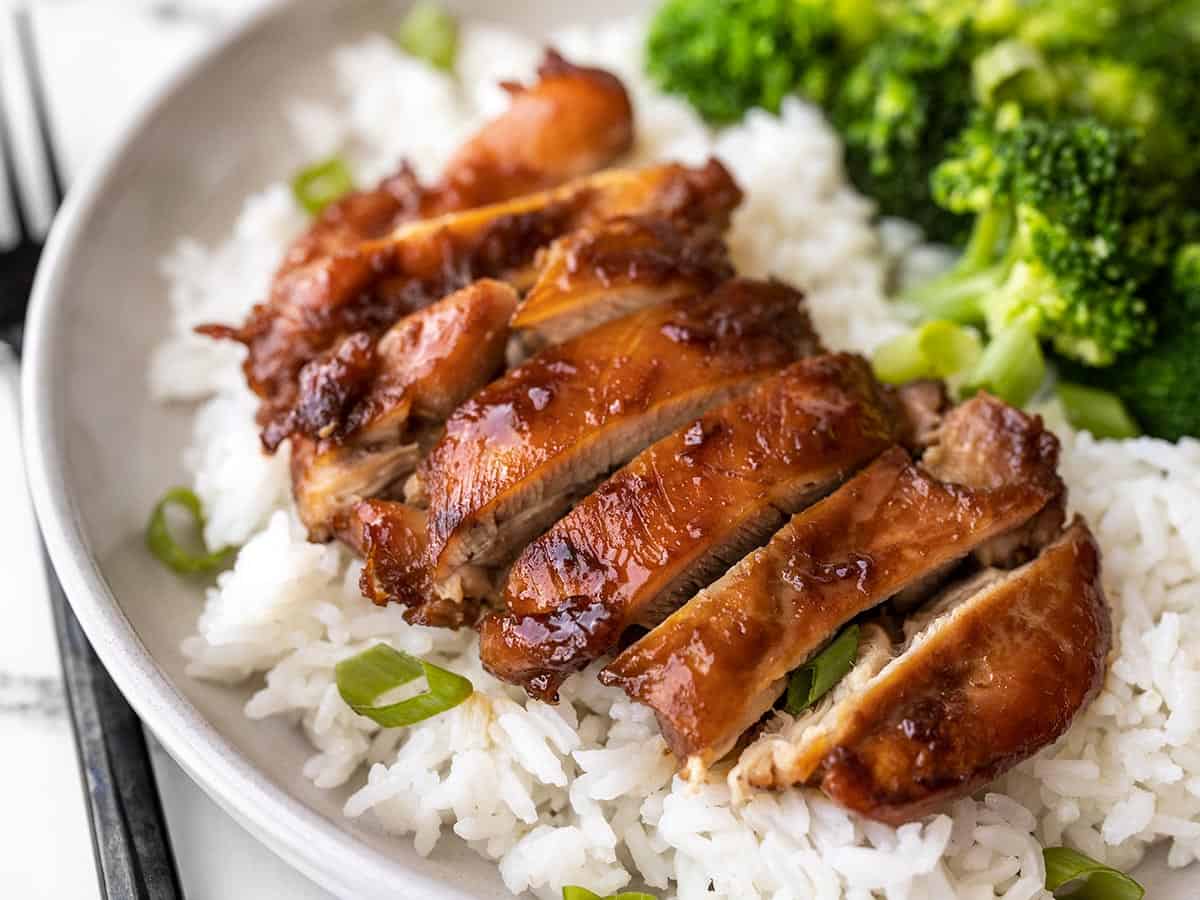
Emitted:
<point x="129" y="833"/>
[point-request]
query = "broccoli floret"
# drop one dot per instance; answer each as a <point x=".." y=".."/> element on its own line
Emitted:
<point x="1050" y="24"/>
<point x="1052" y="251"/>
<point x="893" y="75"/>
<point x="1131" y="64"/>
<point x="897" y="111"/>
<point x="728" y="56"/>
<point x="1159" y="385"/>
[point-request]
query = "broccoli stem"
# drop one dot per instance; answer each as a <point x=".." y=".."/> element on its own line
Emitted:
<point x="1097" y="411"/>
<point x="1012" y="366"/>
<point x="989" y="236"/>
<point x="958" y="295"/>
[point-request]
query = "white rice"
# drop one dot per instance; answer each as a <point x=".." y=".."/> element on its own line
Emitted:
<point x="585" y="793"/>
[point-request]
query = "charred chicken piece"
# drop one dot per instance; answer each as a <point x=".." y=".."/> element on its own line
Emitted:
<point x="572" y="121"/>
<point x="998" y="673"/>
<point x="680" y="513"/>
<point x="714" y="667"/>
<point x="365" y="409"/>
<point x="390" y="536"/>
<point x="367" y="288"/>
<point x="514" y="455"/>
<point x="593" y="275"/>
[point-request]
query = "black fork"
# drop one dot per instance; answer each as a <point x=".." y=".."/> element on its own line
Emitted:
<point x="129" y="833"/>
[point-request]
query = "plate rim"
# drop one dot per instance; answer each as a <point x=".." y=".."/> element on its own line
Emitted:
<point x="304" y="838"/>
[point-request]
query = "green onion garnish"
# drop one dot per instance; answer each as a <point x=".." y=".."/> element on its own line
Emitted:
<point x="1101" y="413"/>
<point x="430" y="33"/>
<point x="933" y="350"/>
<point x="322" y="183"/>
<point x="1100" y="882"/>
<point x="364" y="678"/>
<point x="816" y="678"/>
<point x="575" y="892"/>
<point x="167" y="549"/>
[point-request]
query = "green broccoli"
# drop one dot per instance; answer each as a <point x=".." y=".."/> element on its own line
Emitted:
<point x="1051" y="238"/>
<point x="1160" y="385"/>
<point x="1053" y="254"/>
<point x="897" y="111"/>
<point x="1131" y="64"/>
<point x="893" y="75"/>
<point x="728" y="57"/>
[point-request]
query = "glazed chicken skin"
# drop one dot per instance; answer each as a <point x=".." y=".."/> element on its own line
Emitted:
<point x="593" y="275"/>
<point x="365" y="409"/>
<point x="715" y="666"/>
<point x="366" y="289"/>
<point x="998" y="673"/>
<point x="513" y="455"/>
<point x="680" y="513"/>
<point x="572" y="121"/>
<point x="391" y="538"/>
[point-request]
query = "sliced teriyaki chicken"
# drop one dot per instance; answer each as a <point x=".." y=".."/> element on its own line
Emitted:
<point x="986" y="444"/>
<point x="367" y="288"/>
<point x="572" y="121"/>
<point x="680" y="513"/>
<point x="363" y="411"/>
<point x="998" y="673"/>
<point x="593" y="275"/>
<point x="391" y="538"/>
<point x="716" y="665"/>
<point x="515" y="453"/>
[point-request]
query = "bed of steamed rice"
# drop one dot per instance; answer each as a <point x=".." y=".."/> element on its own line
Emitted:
<point x="584" y="792"/>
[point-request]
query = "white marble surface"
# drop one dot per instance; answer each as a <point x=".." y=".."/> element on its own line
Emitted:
<point x="100" y="57"/>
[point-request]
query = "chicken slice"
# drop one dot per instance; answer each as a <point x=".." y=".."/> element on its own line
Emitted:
<point x="998" y="674"/>
<point x="369" y="287"/>
<point x="680" y="513"/>
<point x="572" y="121"/>
<point x="513" y="455"/>
<point x="716" y="665"/>
<point x="988" y="444"/>
<point x="593" y="275"/>
<point x="364" y="410"/>
<point x="391" y="538"/>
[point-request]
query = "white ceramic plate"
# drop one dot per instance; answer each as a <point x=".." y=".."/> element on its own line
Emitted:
<point x="100" y="451"/>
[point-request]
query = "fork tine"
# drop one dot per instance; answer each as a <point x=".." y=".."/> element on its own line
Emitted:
<point x="11" y="178"/>
<point x="27" y="48"/>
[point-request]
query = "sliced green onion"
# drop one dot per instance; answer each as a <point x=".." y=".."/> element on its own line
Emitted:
<point x="364" y="678"/>
<point x="430" y="33"/>
<point x="1097" y="411"/>
<point x="322" y="183"/>
<point x="817" y="677"/>
<point x="575" y="892"/>
<point x="935" y="349"/>
<point x="1100" y="882"/>
<point x="168" y="551"/>
<point x="1012" y="366"/>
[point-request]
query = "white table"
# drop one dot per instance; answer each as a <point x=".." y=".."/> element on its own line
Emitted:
<point x="100" y="58"/>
